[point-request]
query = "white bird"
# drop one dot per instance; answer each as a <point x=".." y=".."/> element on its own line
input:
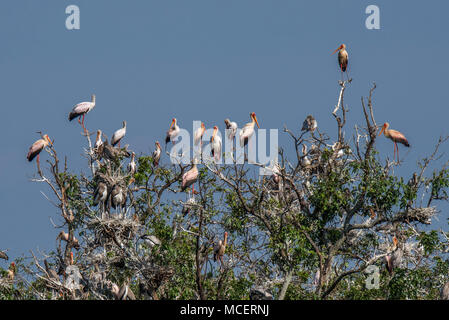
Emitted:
<point x="215" y="147"/>
<point x="248" y="130"/>
<point x="81" y="109"/>
<point x="305" y="160"/>
<point x="198" y="135"/>
<point x="156" y="154"/>
<point x="232" y="128"/>
<point x="98" y="141"/>
<point x="132" y="164"/>
<point x="172" y="132"/>
<point x="118" y="135"/>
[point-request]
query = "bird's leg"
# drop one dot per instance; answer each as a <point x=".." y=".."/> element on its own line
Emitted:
<point x="394" y="152"/>
<point x="119" y="143"/>
<point x="397" y="150"/>
<point x="82" y="123"/>
<point x="38" y="164"/>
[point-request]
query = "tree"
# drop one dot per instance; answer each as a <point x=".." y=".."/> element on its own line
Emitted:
<point x="309" y="231"/>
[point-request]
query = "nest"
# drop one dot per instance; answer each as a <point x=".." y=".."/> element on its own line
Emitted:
<point x="422" y="215"/>
<point x="113" y="229"/>
<point x="155" y="277"/>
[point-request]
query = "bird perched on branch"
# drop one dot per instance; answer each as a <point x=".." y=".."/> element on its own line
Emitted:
<point x="51" y="272"/>
<point x="342" y="58"/>
<point x="118" y="135"/>
<point x="172" y="132"/>
<point x="309" y="124"/>
<point x="98" y="141"/>
<point x="248" y="130"/>
<point x="157" y="154"/>
<point x="231" y="129"/>
<point x="3" y="256"/>
<point x="101" y="195"/>
<point x="189" y="177"/>
<point x="198" y="135"/>
<point x="132" y="164"/>
<point x="220" y="248"/>
<point x="394" y="136"/>
<point x="118" y="196"/>
<point x="65" y="236"/>
<point x="123" y="293"/>
<point x="81" y="109"/>
<point x="12" y="271"/>
<point x="394" y="259"/>
<point x="37" y="147"/>
<point x="215" y="145"/>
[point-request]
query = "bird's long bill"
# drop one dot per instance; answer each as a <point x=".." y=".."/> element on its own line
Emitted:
<point x="172" y="123"/>
<point x="255" y="119"/>
<point x="383" y="128"/>
<point x="336" y="50"/>
<point x="49" y="140"/>
<point x="213" y="135"/>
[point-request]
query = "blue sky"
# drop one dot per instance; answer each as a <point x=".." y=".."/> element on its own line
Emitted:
<point x="148" y="61"/>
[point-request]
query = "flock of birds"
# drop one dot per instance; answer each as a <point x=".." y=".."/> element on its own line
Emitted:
<point x="190" y="177"/>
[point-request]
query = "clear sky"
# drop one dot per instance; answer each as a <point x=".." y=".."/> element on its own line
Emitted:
<point x="148" y="61"/>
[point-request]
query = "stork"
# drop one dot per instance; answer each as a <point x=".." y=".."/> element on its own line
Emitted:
<point x="215" y="142"/>
<point x="157" y="154"/>
<point x="394" y="136"/>
<point x="65" y="236"/>
<point x="98" y="141"/>
<point x="220" y="248"/>
<point x="394" y="259"/>
<point x="37" y="147"/>
<point x="12" y="271"/>
<point x="172" y="132"/>
<point x="190" y="177"/>
<point x="198" y="135"/>
<point x="231" y="129"/>
<point x="81" y="109"/>
<point x="100" y="196"/>
<point x="118" y="135"/>
<point x="248" y="130"/>
<point x="342" y="58"/>
<point x="132" y="164"/>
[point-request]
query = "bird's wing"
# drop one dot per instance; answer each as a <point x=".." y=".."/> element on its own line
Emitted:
<point x="35" y="149"/>
<point x="82" y="107"/>
<point x="399" y="137"/>
<point x="117" y="135"/>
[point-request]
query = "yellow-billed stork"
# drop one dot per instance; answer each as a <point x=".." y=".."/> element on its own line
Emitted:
<point x="81" y="109"/>
<point x="248" y="130"/>
<point x="118" y="135"/>
<point x="394" y="136"/>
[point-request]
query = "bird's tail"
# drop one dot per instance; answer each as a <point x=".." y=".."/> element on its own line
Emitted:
<point x="72" y="116"/>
